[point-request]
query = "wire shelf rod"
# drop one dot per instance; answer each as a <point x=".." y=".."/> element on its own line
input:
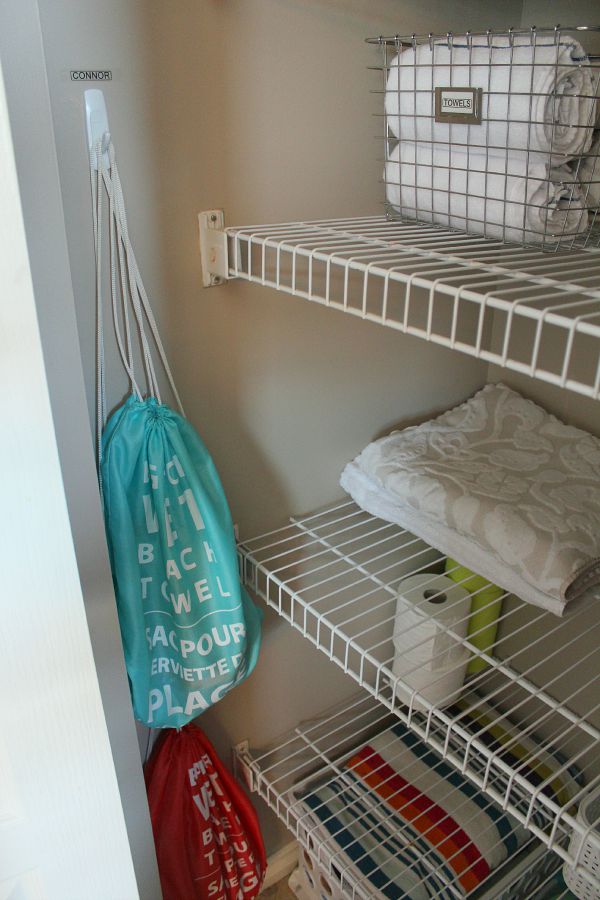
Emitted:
<point x="549" y="377"/>
<point x="450" y="728"/>
<point x="352" y="563"/>
<point x="397" y="274"/>
<point x="384" y="232"/>
<point x="424" y="732"/>
<point x="492" y="300"/>
<point x="328" y="742"/>
<point x="387" y="817"/>
<point x="531" y="31"/>
<point x="492" y="661"/>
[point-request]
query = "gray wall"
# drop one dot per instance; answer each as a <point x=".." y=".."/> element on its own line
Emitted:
<point x="565" y="12"/>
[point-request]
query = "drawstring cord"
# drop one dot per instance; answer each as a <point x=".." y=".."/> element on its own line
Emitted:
<point x="126" y="288"/>
<point x="96" y="185"/>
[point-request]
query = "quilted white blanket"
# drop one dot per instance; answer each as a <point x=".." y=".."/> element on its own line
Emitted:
<point x="499" y="484"/>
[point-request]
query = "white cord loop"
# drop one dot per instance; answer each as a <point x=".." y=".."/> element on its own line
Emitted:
<point x="126" y="287"/>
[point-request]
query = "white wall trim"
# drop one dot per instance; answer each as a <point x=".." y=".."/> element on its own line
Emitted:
<point x="28" y="101"/>
<point x="281" y="864"/>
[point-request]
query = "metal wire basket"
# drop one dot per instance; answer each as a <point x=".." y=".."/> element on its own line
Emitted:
<point x="584" y="877"/>
<point x="495" y="133"/>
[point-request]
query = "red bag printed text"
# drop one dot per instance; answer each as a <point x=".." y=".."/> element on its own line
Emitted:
<point x="207" y="837"/>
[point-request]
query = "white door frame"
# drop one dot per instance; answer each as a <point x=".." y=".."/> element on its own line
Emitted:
<point x="68" y="742"/>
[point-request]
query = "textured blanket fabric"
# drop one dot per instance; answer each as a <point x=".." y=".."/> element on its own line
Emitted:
<point x="499" y="484"/>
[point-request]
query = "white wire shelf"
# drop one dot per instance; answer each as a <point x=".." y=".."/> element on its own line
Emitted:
<point x="334" y="576"/>
<point x="526" y="310"/>
<point x="372" y="850"/>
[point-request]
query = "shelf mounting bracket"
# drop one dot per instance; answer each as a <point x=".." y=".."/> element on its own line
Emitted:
<point x="242" y="765"/>
<point x="213" y="247"/>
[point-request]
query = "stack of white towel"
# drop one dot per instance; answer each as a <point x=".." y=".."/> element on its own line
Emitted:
<point x="519" y="175"/>
<point x="587" y="171"/>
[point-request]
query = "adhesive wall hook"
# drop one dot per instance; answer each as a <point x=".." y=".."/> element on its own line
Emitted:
<point x="96" y="120"/>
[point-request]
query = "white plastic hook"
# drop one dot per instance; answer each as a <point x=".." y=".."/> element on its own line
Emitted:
<point x="96" y="120"/>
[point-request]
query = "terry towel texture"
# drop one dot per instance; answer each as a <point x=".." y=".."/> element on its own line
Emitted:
<point x="588" y="173"/>
<point x="503" y="197"/>
<point x="538" y="98"/>
<point x="500" y="485"/>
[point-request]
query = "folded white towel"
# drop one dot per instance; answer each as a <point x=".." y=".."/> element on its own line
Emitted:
<point x="588" y="172"/>
<point x="498" y="484"/>
<point x="538" y="98"/>
<point x="498" y="196"/>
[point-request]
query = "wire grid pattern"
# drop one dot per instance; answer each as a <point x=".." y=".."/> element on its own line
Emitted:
<point x="584" y="879"/>
<point x="529" y="170"/>
<point x="335" y="575"/>
<point x="313" y="755"/>
<point x="519" y="308"/>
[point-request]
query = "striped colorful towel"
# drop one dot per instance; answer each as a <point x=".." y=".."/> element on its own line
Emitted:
<point x="408" y="824"/>
<point x="402" y="823"/>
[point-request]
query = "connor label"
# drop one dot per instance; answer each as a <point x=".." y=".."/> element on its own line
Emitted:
<point x="91" y="75"/>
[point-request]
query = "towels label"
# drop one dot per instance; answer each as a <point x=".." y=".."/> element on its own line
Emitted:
<point x="458" y="104"/>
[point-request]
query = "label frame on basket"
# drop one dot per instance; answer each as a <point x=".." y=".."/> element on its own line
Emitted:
<point x="458" y="105"/>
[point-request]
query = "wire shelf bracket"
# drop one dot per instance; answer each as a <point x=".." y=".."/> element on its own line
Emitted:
<point x="213" y="247"/>
<point x="314" y="753"/>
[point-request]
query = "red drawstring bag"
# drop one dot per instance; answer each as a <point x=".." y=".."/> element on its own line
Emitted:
<point x="208" y="841"/>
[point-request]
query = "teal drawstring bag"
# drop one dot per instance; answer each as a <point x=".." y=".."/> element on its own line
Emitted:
<point x="190" y="631"/>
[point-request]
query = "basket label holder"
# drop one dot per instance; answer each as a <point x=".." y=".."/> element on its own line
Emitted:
<point x="458" y="105"/>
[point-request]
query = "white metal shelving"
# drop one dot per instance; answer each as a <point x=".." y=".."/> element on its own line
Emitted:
<point x="526" y="310"/>
<point x="334" y="576"/>
<point x="320" y="754"/>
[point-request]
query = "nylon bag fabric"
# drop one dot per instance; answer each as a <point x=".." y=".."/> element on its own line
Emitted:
<point x="190" y="632"/>
<point x="207" y="837"/>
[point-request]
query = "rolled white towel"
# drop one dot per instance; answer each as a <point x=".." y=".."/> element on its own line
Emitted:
<point x="501" y="197"/>
<point x="588" y="172"/>
<point x="538" y="98"/>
